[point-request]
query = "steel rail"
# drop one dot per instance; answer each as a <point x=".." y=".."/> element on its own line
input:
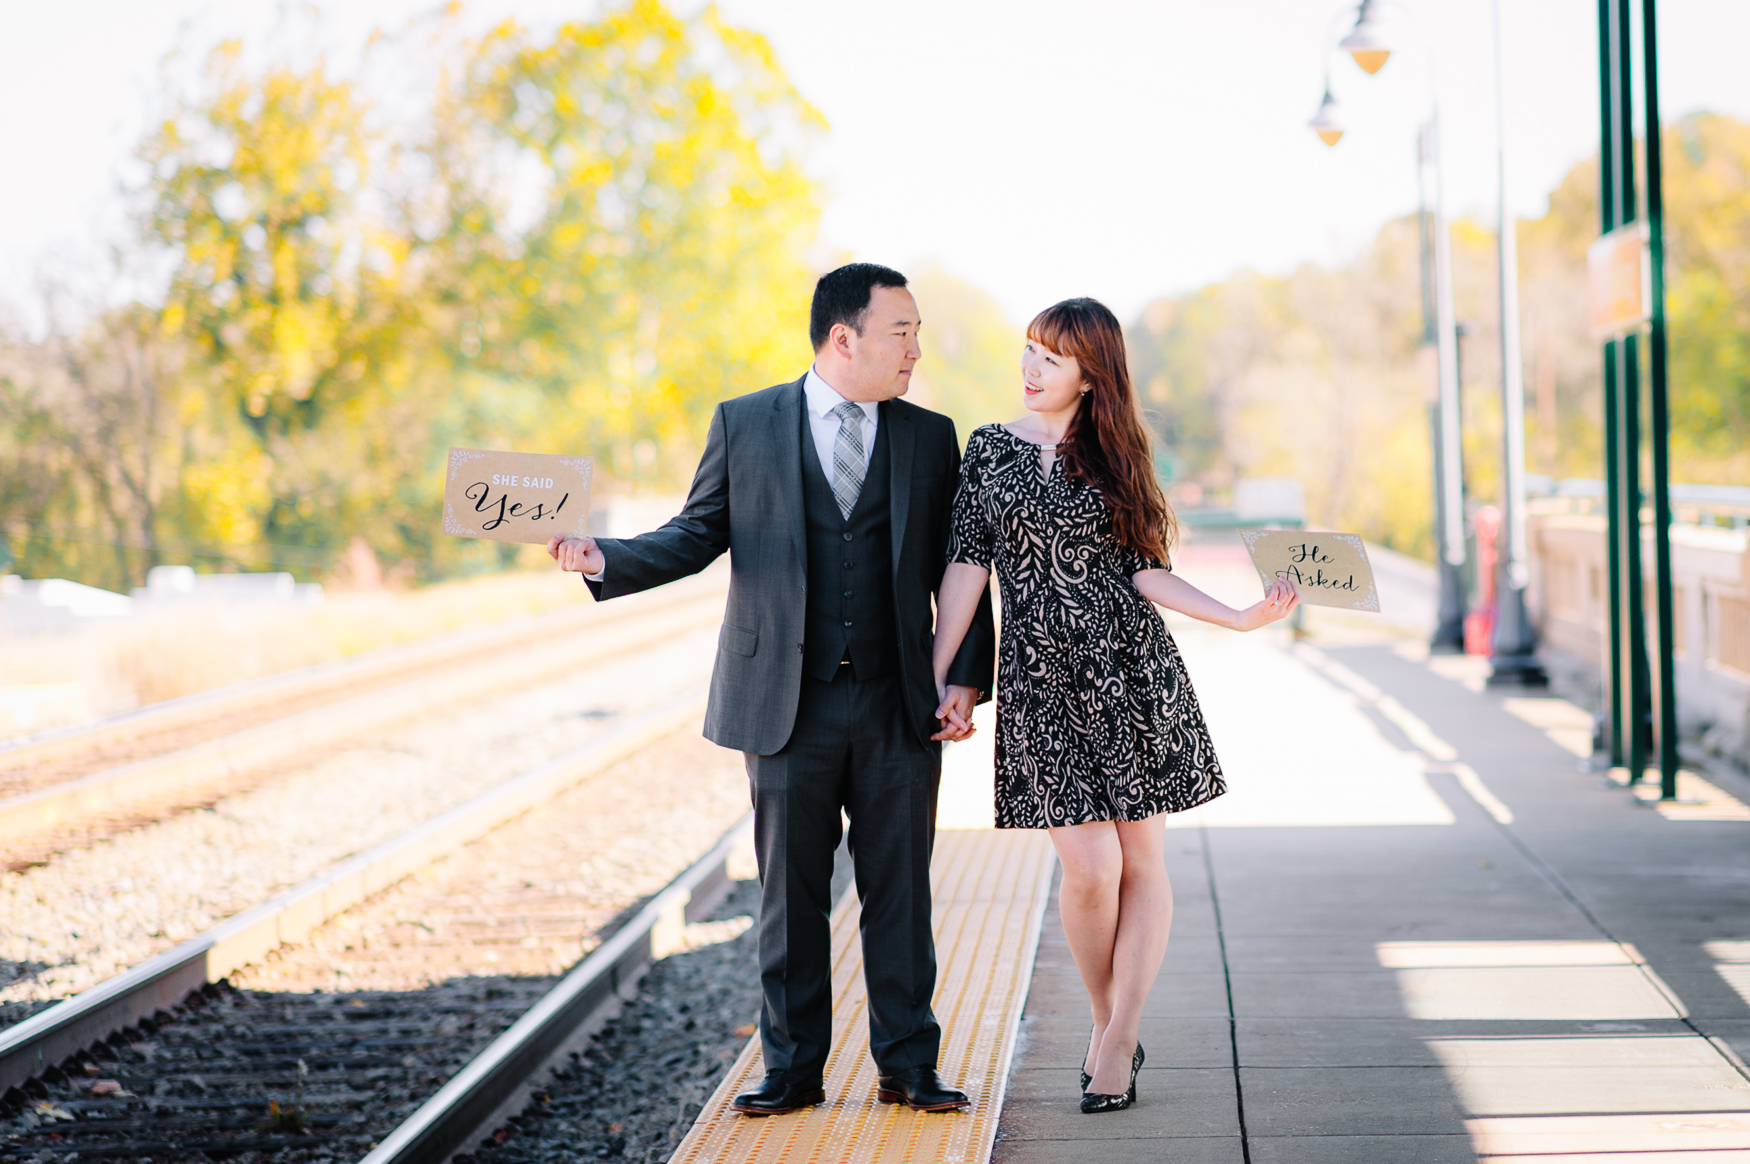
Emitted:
<point x="450" y="647"/>
<point x="44" y="1040"/>
<point x="115" y="789"/>
<point x="466" y="1105"/>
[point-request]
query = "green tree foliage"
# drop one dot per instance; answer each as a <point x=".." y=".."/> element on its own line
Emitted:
<point x="971" y="368"/>
<point x="587" y="240"/>
<point x="1707" y="159"/>
<point x="292" y="297"/>
<point x="1313" y="376"/>
<point x="89" y="447"/>
<point x="1321" y="374"/>
<point x="663" y="270"/>
<point x="1707" y="239"/>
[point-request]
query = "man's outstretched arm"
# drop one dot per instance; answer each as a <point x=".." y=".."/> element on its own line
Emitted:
<point x="689" y="542"/>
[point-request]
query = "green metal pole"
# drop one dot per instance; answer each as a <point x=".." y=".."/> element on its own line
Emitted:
<point x="1634" y="610"/>
<point x="1628" y="396"/>
<point x="1660" y="415"/>
<point x="1630" y="677"/>
<point x="1615" y="691"/>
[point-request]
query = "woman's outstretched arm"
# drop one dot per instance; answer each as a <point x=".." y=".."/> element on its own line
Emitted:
<point x="956" y="603"/>
<point x="1165" y="588"/>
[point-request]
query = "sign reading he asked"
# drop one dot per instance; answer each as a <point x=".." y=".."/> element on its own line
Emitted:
<point x="1328" y="569"/>
<point x="516" y="497"/>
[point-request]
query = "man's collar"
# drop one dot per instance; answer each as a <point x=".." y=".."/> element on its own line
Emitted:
<point x="821" y="398"/>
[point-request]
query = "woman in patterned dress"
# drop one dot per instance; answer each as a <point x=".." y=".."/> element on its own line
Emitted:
<point x="1098" y="732"/>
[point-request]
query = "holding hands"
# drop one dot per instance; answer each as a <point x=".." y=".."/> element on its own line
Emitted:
<point x="955" y="711"/>
<point x="583" y="556"/>
<point x="577" y="555"/>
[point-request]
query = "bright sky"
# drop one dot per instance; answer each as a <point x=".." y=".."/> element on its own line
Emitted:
<point x="1118" y="148"/>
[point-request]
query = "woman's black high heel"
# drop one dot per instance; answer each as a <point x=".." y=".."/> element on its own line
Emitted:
<point x="1135" y="1062"/>
<point x="1094" y="1103"/>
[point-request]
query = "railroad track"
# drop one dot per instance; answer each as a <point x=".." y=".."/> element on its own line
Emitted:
<point x="71" y="786"/>
<point x="174" y="1061"/>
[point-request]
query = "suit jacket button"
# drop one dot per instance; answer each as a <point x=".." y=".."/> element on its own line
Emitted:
<point x="847" y="622"/>
<point x="847" y="537"/>
<point x="847" y="565"/>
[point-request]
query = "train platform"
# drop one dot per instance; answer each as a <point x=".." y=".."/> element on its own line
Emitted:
<point x="1416" y="929"/>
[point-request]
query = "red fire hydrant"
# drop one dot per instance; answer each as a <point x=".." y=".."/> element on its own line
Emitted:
<point x="1479" y="624"/>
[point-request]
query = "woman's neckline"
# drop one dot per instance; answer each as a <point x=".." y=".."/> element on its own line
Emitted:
<point x="1028" y="443"/>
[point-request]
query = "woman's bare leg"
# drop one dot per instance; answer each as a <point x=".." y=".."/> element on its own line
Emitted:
<point x="1093" y="870"/>
<point x="1145" y="918"/>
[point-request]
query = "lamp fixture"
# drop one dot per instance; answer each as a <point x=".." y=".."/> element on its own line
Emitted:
<point x="1325" y="122"/>
<point x="1368" y="42"/>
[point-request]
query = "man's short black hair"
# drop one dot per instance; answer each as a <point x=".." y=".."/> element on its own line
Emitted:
<point x="842" y="296"/>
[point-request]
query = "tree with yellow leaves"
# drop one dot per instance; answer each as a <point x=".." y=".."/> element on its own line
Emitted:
<point x="595" y="236"/>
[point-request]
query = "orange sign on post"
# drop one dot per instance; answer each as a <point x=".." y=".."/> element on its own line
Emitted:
<point x="1619" y="281"/>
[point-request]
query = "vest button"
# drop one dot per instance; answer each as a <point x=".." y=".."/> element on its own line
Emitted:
<point x="847" y="622"/>
<point x="847" y="565"/>
<point x="847" y="537"/>
<point x="847" y="594"/>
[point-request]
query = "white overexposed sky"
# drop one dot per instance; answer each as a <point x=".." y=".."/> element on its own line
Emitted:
<point x="1118" y="148"/>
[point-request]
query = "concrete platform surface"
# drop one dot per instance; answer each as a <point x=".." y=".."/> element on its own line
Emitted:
<point x="1415" y="931"/>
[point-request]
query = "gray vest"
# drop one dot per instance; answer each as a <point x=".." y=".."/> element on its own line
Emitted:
<point x="850" y="569"/>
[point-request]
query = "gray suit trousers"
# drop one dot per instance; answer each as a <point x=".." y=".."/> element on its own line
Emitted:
<point x="851" y="749"/>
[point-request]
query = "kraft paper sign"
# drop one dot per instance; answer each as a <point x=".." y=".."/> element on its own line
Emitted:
<point x="516" y="497"/>
<point x="1328" y="569"/>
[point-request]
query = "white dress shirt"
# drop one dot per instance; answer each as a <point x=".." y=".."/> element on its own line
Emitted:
<point x="820" y="398"/>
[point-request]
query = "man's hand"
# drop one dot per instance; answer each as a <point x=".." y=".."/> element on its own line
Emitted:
<point x="578" y="555"/>
<point x="955" y="712"/>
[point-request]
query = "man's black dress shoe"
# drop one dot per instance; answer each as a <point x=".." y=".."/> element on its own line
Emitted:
<point x="920" y="1089"/>
<point x="780" y="1092"/>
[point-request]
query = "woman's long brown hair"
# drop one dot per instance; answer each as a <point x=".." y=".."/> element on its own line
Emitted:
<point x="1106" y="445"/>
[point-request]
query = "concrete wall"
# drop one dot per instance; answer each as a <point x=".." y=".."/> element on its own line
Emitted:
<point x="1710" y="570"/>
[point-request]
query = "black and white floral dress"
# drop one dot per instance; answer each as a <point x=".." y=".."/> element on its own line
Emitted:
<point x="1096" y="719"/>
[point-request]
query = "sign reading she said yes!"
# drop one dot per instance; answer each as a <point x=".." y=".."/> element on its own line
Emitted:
<point x="516" y="497"/>
<point x="1329" y="569"/>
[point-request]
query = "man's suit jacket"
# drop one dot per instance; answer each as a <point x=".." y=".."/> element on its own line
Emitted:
<point x="747" y="499"/>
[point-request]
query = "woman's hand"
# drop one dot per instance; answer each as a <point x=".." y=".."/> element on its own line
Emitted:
<point x="954" y="711"/>
<point x="1281" y="599"/>
<point x="956" y="602"/>
<point x="1171" y="591"/>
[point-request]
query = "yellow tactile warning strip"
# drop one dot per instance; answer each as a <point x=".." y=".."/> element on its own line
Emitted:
<point x="990" y="892"/>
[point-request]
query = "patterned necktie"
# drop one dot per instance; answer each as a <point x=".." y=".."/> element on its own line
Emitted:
<point x="847" y="457"/>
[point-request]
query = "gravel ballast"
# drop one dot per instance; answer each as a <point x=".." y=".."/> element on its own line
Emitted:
<point x="281" y="1064"/>
<point x="91" y="912"/>
<point x="635" y="1091"/>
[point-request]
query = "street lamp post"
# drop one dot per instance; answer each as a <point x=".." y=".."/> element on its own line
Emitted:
<point x="1514" y="661"/>
<point x="1368" y="44"/>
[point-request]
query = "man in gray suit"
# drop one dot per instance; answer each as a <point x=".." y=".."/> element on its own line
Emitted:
<point x="832" y="497"/>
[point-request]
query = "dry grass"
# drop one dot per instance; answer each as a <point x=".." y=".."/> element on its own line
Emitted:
<point x="127" y="662"/>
